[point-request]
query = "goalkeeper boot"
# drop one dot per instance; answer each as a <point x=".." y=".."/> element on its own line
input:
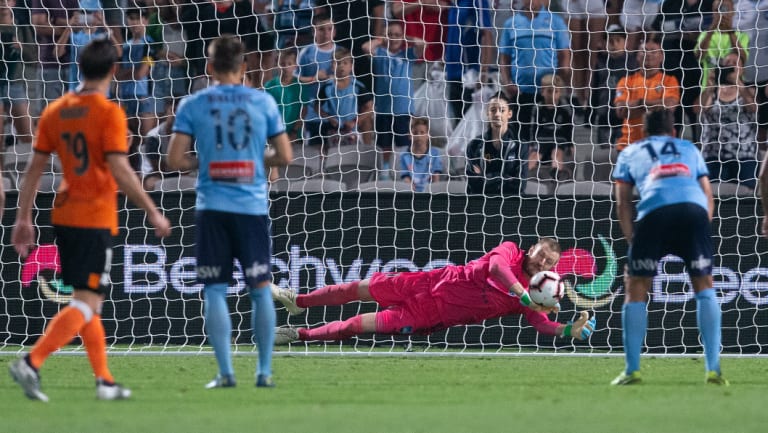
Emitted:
<point x="286" y="335"/>
<point x="264" y="381"/>
<point x="716" y="378"/>
<point x="627" y="379"/>
<point x="287" y="297"/>
<point x="227" y="381"/>
<point x="111" y="391"/>
<point x="28" y="379"/>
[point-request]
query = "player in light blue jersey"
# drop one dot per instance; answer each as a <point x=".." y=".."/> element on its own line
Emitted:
<point x="673" y="217"/>
<point x="230" y="125"/>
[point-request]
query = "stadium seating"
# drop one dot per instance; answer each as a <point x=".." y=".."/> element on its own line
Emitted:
<point x="177" y="183"/>
<point x="279" y="185"/>
<point x="306" y="163"/>
<point x="351" y="165"/>
<point x="316" y="184"/>
<point x="389" y="185"/>
<point x="595" y="190"/>
<point x="450" y="186"/>
<point x="49" y="182"/>
<point x="728" y="189"/>
<point x="297" y="169"/>
<point x="539" y="187"/>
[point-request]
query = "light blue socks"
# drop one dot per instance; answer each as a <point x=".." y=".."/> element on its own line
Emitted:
<point x="708" y="318"/>
<point x="634" y="322"/>
<point x="263" y="324"/>
<point x="218" y="325"/>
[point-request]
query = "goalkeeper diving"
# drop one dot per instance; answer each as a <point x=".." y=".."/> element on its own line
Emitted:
<point x="491" y="286"/>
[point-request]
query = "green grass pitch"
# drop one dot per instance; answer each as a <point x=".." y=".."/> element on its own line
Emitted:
<point x="394" y="394"/>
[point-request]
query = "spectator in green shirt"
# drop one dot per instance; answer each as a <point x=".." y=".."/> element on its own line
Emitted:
<point x="286" y="89"/>
<point x="721" y="44"/>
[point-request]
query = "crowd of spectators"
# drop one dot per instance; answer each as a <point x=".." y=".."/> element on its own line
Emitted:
<point x="571" y="80"/>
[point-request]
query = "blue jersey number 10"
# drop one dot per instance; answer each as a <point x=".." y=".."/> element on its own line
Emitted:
<point x="237" y="120"/>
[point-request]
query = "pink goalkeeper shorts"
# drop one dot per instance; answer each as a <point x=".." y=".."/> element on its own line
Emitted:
<point x="408" y="305"/>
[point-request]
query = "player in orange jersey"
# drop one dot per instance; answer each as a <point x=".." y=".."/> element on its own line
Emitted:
<point x="90" y="135"/>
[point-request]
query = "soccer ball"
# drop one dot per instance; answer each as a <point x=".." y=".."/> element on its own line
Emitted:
<point x="546" y="288"/>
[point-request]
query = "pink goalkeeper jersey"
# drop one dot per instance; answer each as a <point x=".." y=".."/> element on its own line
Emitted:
<point x="472" y="293"/>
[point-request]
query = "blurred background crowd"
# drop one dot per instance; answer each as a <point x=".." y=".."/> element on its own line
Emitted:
<point x="478" y="96"/>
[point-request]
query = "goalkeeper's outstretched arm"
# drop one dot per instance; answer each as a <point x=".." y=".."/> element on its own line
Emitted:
<point x="579" y="329"/>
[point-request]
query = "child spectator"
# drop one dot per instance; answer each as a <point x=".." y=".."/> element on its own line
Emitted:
<point x="346" y="106"/>
<point x="421" y="165"/>
<point x="84" y="26"/>
<point x="552" y="131"/>
<point x="316" y="67"/>
<point x="729" y="128"/>
<point x="497" y="162"/>
<point x="612" y="65"/>
<point x="133" y="85"/>
<point x="393" y="87"/>
<point x="286" y="89"/>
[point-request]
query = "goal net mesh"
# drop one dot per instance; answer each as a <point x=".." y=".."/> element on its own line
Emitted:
<point x="365" y="194"/>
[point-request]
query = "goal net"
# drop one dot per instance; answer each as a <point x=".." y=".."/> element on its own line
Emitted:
<point x="363" y="195"/>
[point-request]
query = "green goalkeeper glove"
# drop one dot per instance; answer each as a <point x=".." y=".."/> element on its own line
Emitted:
<point x="525" y="299"/>
<point x="582" y="328"/>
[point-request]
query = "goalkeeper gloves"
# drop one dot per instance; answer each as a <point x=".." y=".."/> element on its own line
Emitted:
<point x="525" y="299"/>
<point x="582" y="328"/>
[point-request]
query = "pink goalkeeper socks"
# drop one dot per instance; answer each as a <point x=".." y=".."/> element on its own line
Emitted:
<point x="334" y="331"/>
<point x="336" y="294"/>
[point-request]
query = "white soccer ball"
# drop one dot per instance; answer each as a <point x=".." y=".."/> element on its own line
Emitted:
<point x="545" y="288"/>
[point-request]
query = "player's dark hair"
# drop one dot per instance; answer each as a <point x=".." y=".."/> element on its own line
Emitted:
<point x="660" y="121"/>
<point x="503" y="96"/>
<point x="226" y="54"/>
<point x="320" y="18"/>
<point x="341" y="53"/>
<point x="288" y="52"/>
<point x="97" y="59"/>
<point x="415" y="121"/>
<point x="551" y="243"/>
